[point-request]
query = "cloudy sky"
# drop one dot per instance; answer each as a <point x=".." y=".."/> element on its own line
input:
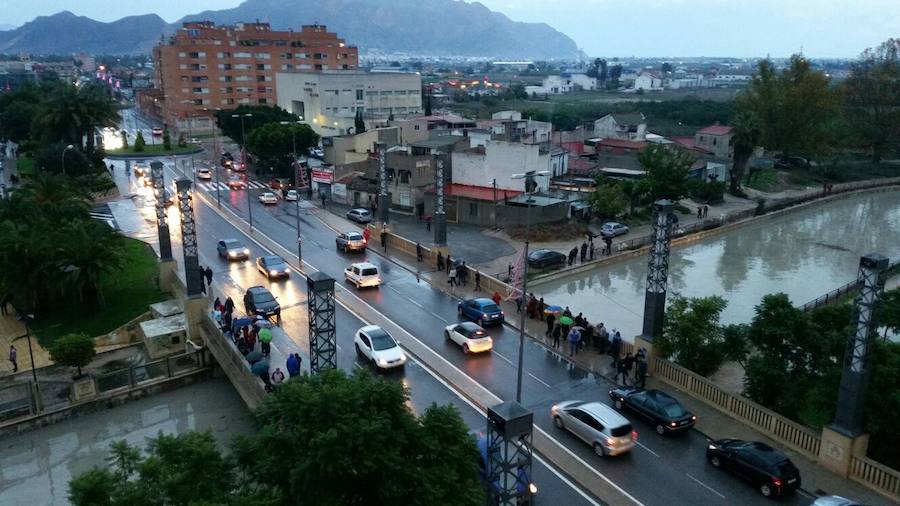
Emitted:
<point x="822" y="28"/>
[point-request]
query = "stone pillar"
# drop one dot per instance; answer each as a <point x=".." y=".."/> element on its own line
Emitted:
<point x="439" y="220"/>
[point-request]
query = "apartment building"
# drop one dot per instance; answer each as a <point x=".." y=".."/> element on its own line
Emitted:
<point x="204" y="67"/>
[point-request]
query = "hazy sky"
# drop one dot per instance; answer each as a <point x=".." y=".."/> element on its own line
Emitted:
<point x="841" y="28"/>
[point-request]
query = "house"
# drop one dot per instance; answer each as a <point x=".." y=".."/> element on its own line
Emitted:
<point x="626" y="127"/>
<point x="424" y="127"/>
<point x="498" y="160"/>
<point x="347" y="149"/>
<point x="566" y="82"/>
<point x="715" y="139"/>
<point x="648" y="81"/>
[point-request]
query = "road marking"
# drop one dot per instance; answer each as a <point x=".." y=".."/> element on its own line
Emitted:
<point x="416" y="302"/>
<point x="508" y="361"/>
<point x="704" y="485"/>
<point x="348" y="308"/>
<point x="439" y="317"/>
<point x="539" y="380"/>
<point x="394" y="289"/>
<point x="648" y="449"/>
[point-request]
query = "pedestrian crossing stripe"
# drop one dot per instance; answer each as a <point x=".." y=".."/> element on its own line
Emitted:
<point x="211" y="187"/>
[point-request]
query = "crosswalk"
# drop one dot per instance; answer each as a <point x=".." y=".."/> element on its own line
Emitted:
<point x="213" y="186"/>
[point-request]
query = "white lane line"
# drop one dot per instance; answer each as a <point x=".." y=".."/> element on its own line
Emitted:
<point x="539" y="380"/>
<point x="393" y="289"/>
<point x="414" y="301"/>
<point x="648" y="449"/>
<point x="508" y="361"/>
<point x="439" y="317"/>
<point x="704" y="485"/>
<point x="577" y="488"/>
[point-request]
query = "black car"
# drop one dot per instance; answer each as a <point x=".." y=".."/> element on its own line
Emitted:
<point x="546" y="258"/>
<point x="658" y="407"/>
<point x="760" y="464"/>
<point x="259" y="301"/>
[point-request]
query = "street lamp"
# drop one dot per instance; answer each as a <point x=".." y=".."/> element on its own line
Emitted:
<point x="64" y="161"/>
<point x="296" y="169"/>
<point x="530" y="186"/>
<point x="215" y="162"/>
<point x="244" y="163"/>
<point x="26" y="319"/>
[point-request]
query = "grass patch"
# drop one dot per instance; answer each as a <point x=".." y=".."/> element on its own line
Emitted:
<point x="545" y="232"/>
<point x="128" y="294"/>
<point x="766" y="180"/>
<point x="153" y="150"/>
<point x="25" y="166"/>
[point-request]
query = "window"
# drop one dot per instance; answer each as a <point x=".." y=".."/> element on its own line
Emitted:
<point x="385" y="92"/>
<point x="301" y="55"/>
<point x="242" y="78"/>
<point x="242" y="55"/>
<point x="400" y="92"/>
<point x="224" y="66"/>
<point x="227" y="101"/>
<point x="198" y="54"/>
<point x="286" y="56"/>
<point x="225" y="79"/>
<point x="241" y="66"/>
<point x="303" y="66"/>
<point x="199" y="79"/>
<point x="228" y="89"/>
<point x="264" y="56"/>
<point x="262" y="79"/>
<point x="182" y="54"/>
<point x="183" y="66"/>
<point x="359" y="94"/>
<point x="415" y="127"/>
<point x="263" y="66"/>
<point x="287" y="66"/>
<point x="264" y="101"/>
<point x="473" y="209"/>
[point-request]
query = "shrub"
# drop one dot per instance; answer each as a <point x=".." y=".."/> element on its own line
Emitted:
<point x="139" y="142"/>
<point x="73" y="350"/>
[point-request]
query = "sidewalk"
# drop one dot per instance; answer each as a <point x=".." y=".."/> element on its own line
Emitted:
<point x="712" y="423"/>
<point x="12" y="332"/>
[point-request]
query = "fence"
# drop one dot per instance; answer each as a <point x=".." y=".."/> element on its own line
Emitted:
<point x="150" y="372"/>
<point x="837" y="293"/>
<point x="796" y="436"/>
<point x="877" y="476"/>
<point x="17" y="400"/>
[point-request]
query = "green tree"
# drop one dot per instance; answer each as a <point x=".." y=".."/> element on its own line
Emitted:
<point x="182" y="142"/>
<point x="124" y="139"/>
<point x="667" y="171"/>
<point x="73" y="350"/>
<point x="139" y="143"/>
<point x="229" y="121"/>
<point x="70" y="115"/>
<point x="745" y="138"/>
<point x="608" y="201"/>
<point x="692" y="334"/>
<point x="49" y="158"/>
<point x="888" y="312"/>
<point x="167" y="140"/>
<point x="371" y="419"/>
<point x="872" y="98"/>
<point x="92" y="249"/>
<point x="273" y="144"/>
<point x="634" y="190"/>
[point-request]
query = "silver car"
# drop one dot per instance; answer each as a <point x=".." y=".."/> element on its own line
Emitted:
<point x="359" y="215"/>
<point x="350" y="241"/>
<point x="613" y="229"/>
<point x="232" y="249"/>
<point x="602" y="427"/>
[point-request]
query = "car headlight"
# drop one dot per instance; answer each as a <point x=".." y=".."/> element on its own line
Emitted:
<point x="232" y="253"/>
<point x="381" y="361"/>
<point x="246" y="251"/>
<point x="532" y="488"/>
<point x="273" y="273"/>
<point x="712" y="447"/>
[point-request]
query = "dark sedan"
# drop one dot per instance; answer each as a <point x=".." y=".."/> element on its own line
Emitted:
<point x="481" y="311"/>
<point x="758" y="463"/>
<point x="273" y="267"/>
<point x="546" y="258"/>
<point x="661" y="409"/>
<point x="259" y="301"/>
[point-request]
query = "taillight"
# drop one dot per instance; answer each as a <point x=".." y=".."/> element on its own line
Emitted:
<point x="634" y="435"/>
<point x="610" y="441"/>
<point x="776" y="482"/>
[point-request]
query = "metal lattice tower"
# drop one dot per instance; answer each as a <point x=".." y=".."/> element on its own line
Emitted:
<point x="192" y="274"/>
<point x="383" y="202"/>
<point x="509" y="453"/>
<point x="162" y="225"/>
<point x="440" y="215"/>
<point x="854" y="379"/>
<point x="658" y="270"/>
<point x="320" y="303"/>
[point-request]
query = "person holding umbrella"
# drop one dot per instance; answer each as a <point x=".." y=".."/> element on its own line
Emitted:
<point x="265" y="341"/>
<point x="574" y="339"/>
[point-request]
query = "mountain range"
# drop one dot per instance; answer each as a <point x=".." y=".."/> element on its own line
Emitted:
<point x="416" y="27"/>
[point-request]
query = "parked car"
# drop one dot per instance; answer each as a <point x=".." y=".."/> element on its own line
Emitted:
<point x="350" y="241"/>
<point x="236" y="184"/>
<point x="268" y="198"/>
<point x="377" y="346"/>
<point x="359" y="215"/>
<point x="317" y="153"/>
<point x="525" y="488"/>
<point x="273" y="267"/>
<point x="363" y="274"/>
<point x="167" y="198"/>
<point x="469" y="336"/>
<point x="232" y="249"/>
<point x="545" y="258"/>
<point x="661" y="409"/>
<point x="276" y="184"/>
<point x="758" y="463"/>
<point x="597" y="424"/>
<point x="204" y="173"/>
<point x="613" y="229"/>
<point x="792" y="162"/>
<point x="260" y="301"/>
<point x="157" y="131"/>
<point x="835" y="500"/>
<point x="291" y="196"/>
<point x="481" y="311"/>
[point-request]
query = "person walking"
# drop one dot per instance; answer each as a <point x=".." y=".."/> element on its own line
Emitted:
<point x="208" y="274"/>
<point x="602" y="338"/>
<point x="640" y="373"/>
<point x="615" y="347"/>
<point x="418" y="252"/>
<point x="428" y="223"/>
<point x="366" y="234"/>
<point x="629" y="364"/>
<point x="587" y="335"/>
<point x="519" y="304"/>
<point x="440" y="261"/>
<point x="384" y="239"/>
<point x="620" y="371"/>
<point x="567" y="312"/>
<point x="551" y="318"/>
<point x="541" y="308"/>
<point x="583" y="251"/>
<point x="497" y="298"/>
<point x="699" y="212"/>
<point x="608" y="241"/>
<point x="591" y="249"/>
<point x="277" y="377"/>
<point x="229" y="305"/>
<point x="265" y="348"/>
<point x="477" y="280"/>
<point x="13" y="358"/>
<point x="464" y="271"/>
<point x="293" y="365"/>
<point x="574" y="339"/>
<point x="556" y="334"/>
<point x="529" y="308"/>
<point x="451" y="276"/>
<point x="705" y="210"/>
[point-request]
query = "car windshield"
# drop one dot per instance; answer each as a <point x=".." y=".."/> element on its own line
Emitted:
<point x="363" y="213"/>
<point x="674" y="410"/>
<point x="369" y="271"/>
<point x="381" y="340"/>
<point x="234" y="245"/>
<point x="261" y="297"/>
<point x="490" y="308"/>
<point x="354" y="237"/>
<point x="624" y="430"/>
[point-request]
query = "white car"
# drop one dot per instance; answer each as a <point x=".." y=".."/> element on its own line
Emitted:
<point x="471" y="337"/>
<point x="291" y="196"/>
<point x="204" y="173"/>
<point x="363" y="274"/>
<point x="268" y="198"/>
<point x="377" y="346"/>
<point x="597" y="424"/>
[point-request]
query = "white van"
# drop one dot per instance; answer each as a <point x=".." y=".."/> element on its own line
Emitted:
<point x="363" y="274"/>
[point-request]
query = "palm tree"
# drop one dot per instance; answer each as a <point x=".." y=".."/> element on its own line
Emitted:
<point x="54" y="195"/>
<point x="100" y="111"/>
<point x="27" y="261"/>
<point x="746" y="135"/>
<point x="70" y="114"/>
<point x="91" y="250"/>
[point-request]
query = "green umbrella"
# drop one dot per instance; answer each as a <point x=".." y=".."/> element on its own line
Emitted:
<point x="265" y="336"/>
<point x="565" y="320"/>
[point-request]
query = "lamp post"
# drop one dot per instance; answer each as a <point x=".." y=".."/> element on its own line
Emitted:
<point x="26" y="319"/>
<point x="63" y="159"/>
<point x="244" y="163"/>
<point x="296" y="169"/>
<point x="530" y="186"/>
<point x="190" y="138"/>
<point x="494" y="185"/>
<point x="216" y="163"/>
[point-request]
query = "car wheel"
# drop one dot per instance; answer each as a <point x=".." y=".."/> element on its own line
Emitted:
<point x="660" y="430"/>
<point x="466" y="349"/>
<point x="481" y="322"/>
<point x="459" y="311"/>
<point x="619" y="404"/>
<point x="714" y="460"/>
<point x="359" y="352"/>
<point x="765" y="490"/>
<point x="558" y="421"/>
<point x="599" y="450"/>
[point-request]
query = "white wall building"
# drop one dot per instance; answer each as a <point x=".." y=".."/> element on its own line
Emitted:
<point x="648" y="82"/>
<point x="329" y="101"/>
<point x="626" y="127"/>
<point x="563" y="83"/>
<point x="500" y="160"/>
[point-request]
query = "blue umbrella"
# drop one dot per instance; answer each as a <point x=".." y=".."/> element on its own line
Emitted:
<point x="553" y="309"/>
<point x="260" y="368"/>
<point x="240" y="322"/>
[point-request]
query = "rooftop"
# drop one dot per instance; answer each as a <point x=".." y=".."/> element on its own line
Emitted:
<point x="715" y="130"/>
<point x="475" y="192"/>
<point x="630" y="118"/>
<point x="619" y="143"/>
<point x="440" y="141"/>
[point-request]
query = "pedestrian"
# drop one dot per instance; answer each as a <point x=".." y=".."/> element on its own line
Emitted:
<point x="615" y="347"/>
<point x="602" y="338"/>
<point x="705" y="210"/>
<point x="440" y="261"/>
<point x="292" y="365"/>
<point x="592" y="250"/>
<point x="587" y="335"/>
<point x="227" y="321"/>
<point x="519" y="304"/>
<point x="323" y="200"/>
<point x="496" y="297"/>
<point x="551" y="319"/>
<point x="451" y="276"/>
<point x="629" y="363"/>
<point x="277" y="377"/>
<point x="532" y="303"/>
<point x="202" y="282"/>
<point x="556" y="333"/>
<point x="583" y="251"/>
<point x="449" y="264"/>
<point x="384" y="240"/>
<point x="567" y="312"/>
<point x="509" y="272"/>
<point x="265" y="348"/>
<point x="418" y="252"/>
<point x="208" y="273"/>
<point x="620" y="371"/>
<point x="579" y="320"/>
<point x="366" y="235"/>
<point x="477" y="280"/>
<point x="699" y="212"/>
<point x="608" y="241"/>
<point x="13" y="358"/>
<point x="574" y="339"/>
<point x="640" y="373"/>
<point x="428" y="223"/>
<point x="229" y="305"/>
<point x="217" y="304"/>
<point x="460" y="275"/>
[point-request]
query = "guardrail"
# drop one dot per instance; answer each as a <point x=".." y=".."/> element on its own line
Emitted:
<point x="877" y="476"/>
<point x="140" y="375"/>
<point x="839" y="292"/>
<point x="793" y="434"/>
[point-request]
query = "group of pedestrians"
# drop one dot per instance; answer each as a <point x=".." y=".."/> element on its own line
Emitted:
<point x="703" y="211"/>
<point x="631" y="368"/>
<point x="458" y="275"/>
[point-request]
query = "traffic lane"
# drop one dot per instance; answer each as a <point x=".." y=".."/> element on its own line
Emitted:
<point x="423" y="387"/>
